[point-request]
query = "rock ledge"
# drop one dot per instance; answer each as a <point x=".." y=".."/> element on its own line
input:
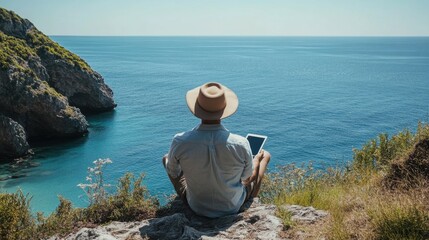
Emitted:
<point x="258" y="221"/>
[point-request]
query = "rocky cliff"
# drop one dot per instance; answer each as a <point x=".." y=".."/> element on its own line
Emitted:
<point x="258" y="221"/>
<point x="13" y="140"/>
<point x="43" y="86"/>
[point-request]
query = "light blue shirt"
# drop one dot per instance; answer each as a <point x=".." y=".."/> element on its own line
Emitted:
<point x="214" y="162"/>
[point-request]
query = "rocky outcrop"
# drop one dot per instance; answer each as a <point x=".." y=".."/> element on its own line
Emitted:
<point x="259" y="221"/>
<point x="43" y="85"/>
<point x="83" y="87"/>
<point x="304" y="214"/>
<point x="41" y="110"/>
<point x="13" y="140"/>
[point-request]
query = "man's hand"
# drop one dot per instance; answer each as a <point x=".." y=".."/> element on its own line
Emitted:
<point x="256" y="161"/>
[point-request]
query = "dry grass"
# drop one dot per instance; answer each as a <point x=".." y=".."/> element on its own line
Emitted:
<point x="382" y="194"/>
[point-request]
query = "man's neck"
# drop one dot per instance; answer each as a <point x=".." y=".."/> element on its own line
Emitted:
<point x="210" y="121"/>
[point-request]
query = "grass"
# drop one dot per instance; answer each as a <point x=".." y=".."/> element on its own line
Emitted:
<point x="130" y="202"/>
<point x="362" y="202"/>
<point x="286" y="218"/>
<point x="400" y="220"/>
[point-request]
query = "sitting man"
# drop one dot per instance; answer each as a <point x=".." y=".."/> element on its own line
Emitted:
<point x="211" y="169"/>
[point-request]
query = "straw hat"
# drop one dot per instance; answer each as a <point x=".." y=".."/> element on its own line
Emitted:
<point x="212" y="101"/>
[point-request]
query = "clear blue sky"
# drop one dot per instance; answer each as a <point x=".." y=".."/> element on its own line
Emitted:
<point x="226" y="17"/>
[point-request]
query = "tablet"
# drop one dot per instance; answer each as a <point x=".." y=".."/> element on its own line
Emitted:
<point x="256" y="142"/>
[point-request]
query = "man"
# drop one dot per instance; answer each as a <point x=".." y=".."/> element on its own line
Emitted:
<point x="209" y="167"/>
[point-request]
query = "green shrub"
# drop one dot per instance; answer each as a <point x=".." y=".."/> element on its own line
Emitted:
<point x="378" y="153"/>
<point x="130" y="202"/>
<point x="16" y="221"/>
<point x="61" y="222"/>
<point x="42" y="43"/>
<point x="13" y="50"/>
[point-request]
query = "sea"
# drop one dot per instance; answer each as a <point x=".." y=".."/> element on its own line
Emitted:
<point x="316" y="98"/>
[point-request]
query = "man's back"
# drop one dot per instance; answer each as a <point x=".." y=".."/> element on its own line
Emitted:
<point x="214" y="162"/>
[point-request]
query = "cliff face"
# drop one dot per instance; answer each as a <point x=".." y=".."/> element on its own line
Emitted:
<point x="13" y="141"/>
<point x="43" y="86"/>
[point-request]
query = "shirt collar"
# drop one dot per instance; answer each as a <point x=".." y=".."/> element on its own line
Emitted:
<point x="210" y="127"/>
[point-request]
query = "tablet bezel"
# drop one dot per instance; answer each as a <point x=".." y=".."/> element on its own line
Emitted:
<point x="258" y="136"/>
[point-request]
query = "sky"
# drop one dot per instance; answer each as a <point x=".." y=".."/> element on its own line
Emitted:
<point x="226" y="17"/>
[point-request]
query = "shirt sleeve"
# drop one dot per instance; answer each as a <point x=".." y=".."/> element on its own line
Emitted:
<point x="248" y="159"/>
<point x="172" y="164"/>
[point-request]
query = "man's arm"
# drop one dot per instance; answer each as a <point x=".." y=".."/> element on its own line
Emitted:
<point x="246" y="153"/>
<point x="256" y="163"/>
<point x="171" y="162"/>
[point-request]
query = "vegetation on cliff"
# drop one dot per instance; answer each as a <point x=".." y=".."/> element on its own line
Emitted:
<point x="44" y="44"/>
<point x="130" y="202"/>
<point x="34" y="41"/>
<point x="382" y="194"/>
<point x="12" y="50"/>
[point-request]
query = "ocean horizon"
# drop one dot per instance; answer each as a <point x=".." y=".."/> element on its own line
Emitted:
<point x="316" y="98"/>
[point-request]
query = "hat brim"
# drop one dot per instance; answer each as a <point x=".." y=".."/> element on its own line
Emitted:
<point x="194" y="107"/>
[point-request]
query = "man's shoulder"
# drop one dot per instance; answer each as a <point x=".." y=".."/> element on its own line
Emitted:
<point x="182" y="136"/>
<point x="237" y="139"/>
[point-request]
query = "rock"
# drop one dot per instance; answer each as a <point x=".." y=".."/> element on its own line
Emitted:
<point x="258" y="221"/>
<point x="11" y="24"/>
<point x="66" y="72"/>
<point x="42" y="84"/>
<point x="42" y="111"/>
<point x="305" y="214"/>
<point x="83" y="87"/>
<point x="13" y="140"/>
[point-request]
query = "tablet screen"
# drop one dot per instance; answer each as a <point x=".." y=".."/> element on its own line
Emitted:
<point x="256" y="143"/>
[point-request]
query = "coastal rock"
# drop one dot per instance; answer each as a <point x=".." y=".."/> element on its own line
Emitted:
<point x="258" y="221"/>
<point x="13" y="25"/>
<point x="42" y="84"/>
<point x="83" y="87"/>
<point x="13" y="140"/>
<point x="305" y="214"/>
<point x="66" y="72"/>
<point x="41" y="110"/>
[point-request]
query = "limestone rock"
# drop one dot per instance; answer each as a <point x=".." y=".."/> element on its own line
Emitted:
<point x="305" y="214"/>
<point x="42" y="84"/>
<point x="13" y="140"/>
<point x="13" y="25"/>
<point x="83" y="87"/>
<point x="37" y="107"/>
<point x="67" y="73"/>
<point x="257" y="222"/>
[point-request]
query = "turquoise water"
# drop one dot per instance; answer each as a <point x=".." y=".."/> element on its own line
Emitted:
<point x="315" y="98"/>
